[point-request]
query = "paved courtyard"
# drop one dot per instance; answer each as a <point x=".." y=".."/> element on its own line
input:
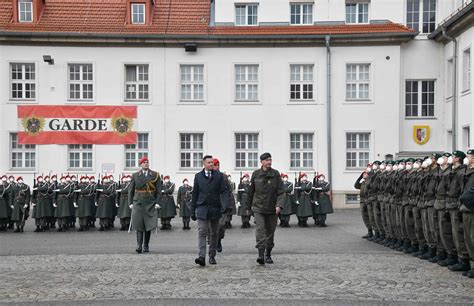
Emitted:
<point x="313" y="265"/>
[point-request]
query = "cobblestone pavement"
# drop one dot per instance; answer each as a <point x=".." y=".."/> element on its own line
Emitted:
<point x="330" y="265"/>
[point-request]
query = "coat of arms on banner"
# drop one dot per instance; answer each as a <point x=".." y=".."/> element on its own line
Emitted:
<point x="33" y="125"/>
<point x="421" y="134"/>
<point x="122" y="125"/>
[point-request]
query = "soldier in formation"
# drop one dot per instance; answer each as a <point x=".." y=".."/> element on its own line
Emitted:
<point x="423" y="207"/>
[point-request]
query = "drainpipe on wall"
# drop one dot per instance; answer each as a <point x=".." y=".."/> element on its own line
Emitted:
<point x="454" y="93"/>
<point x="328" y="108"/>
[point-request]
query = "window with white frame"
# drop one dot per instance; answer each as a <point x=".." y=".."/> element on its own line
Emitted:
<point x="357" y="150"/>
<point x="25" y="10"/>
<point x="136" y="83"/>
<point x="419" y="98"/>
<point x="352" y="199"/>
<point x="301" y="82"/>
<point x="81" y="82"/>
<point x="466" y="70"/>
<point x="80" y="156"/>
<point x="357" y="81"/>
<point x="301" y="150"/>
<point x="246" y="82"/>
<point x="138" y="13"/>
<point x="134" y="152"/>
<point x="424" y="8"/>
<point x="191" y="150"/>
<point x="192" y="82"/>
<point x="246" y="14"/>
<point x="357" y="12"/>
<point x="246" y="150"/>
<point x="449" y="78"/>
<point x="22" y="81"/>
<point x="21" y="156"/>
<point x="301" y="13"/>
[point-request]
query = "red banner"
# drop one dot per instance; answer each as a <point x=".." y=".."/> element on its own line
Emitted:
<point x="69" y="124"/>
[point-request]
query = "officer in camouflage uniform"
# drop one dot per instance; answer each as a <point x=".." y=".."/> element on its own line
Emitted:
<point x="424" y="248"/>
<point x="444" y="222"/>
<point x="372" y="185"/>
<point x="418" y="204"/>
<point x="361" y="184"/>
<point x="455" y="190"/>
<point x="433" y="238"/>
<point x="266" y="197"/>
<point x="467" y="209"/>
<point x="144" y="197"/>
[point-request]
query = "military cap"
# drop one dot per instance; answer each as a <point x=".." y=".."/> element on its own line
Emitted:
<point x="447" y="154"/>
<point x="376" y="163"/>
<point x="470" y="152"/>
<point x="459" y="154"/>
<point x="265" y="156"/>
<point x="436" y="155"/>
<point x="410" y="160"/>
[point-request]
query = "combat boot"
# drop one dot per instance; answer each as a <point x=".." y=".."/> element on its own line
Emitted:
<point x="139" y="242"/>
<point x="368" y="235"/>
<point x="268" y="256"/>
<point x="452" y="259"/>
<point x="146" y="247"/>
<point x="261" y="256"/>
<point x="462" y="265"/>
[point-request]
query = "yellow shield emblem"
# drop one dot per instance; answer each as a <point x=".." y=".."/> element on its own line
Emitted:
<point x="421" y="134"/>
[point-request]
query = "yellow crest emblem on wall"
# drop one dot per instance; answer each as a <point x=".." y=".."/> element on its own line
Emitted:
<point x="421" y="134"/>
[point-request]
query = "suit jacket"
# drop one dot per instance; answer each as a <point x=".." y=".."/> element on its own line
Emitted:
<point x="210" y="196"/>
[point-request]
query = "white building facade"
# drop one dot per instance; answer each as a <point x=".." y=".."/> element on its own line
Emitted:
<point x="325" y="86"/>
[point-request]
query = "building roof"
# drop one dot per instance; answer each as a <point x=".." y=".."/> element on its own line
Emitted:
<point x="170" y="18"/>
<point x="455" y="23"/>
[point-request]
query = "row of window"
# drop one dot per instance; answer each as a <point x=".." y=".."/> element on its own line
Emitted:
<point x="419" y="94"/>
<point x="247" y="150"/>
<point x="192" y="82"/>
<point x="420" y="14"/>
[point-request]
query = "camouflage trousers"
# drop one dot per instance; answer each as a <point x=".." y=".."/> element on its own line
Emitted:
<point x="458" y="232"/>
<point x="410" y="223"/>
<point x="446" y="231"/>
<point x="433" y="225"/>
<point x="378" y="217"/>
<point x="365" y="215"/>
<point x="401" y="222"/>
<point x="468" y="219"/>
<point x="418" y="225"/>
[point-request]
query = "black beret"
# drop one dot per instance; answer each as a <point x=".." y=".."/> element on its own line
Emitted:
<point x="459" y="154"/>
<point x="265" y="156"/>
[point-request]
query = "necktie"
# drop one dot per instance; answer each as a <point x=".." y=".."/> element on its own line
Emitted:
<point x="209" y="174"/>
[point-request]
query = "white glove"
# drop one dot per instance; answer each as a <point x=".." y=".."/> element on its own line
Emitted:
<point x="26" y="206"/>
<point x="98" y="189"/>
<point x="157" y="206"/>
<point x="56" y="190"/>
<point x="238" y="204"/>
<point x="36" y="188"/>
<point x="131" y="206"/>
<point x="162" y="191"/>
<point x="361" y="181"/>
<point x="316" y="203"/>
<point x="118" y="190"/>
<point x="319" y="188"/>
<point x="116" y="205"/>
<point x="33" y="204"/>
<point x="55" y="205"/>
<point x="297" y="202"/>
<point x="75" y="205"/>
<point x="11" y="206"/>
<point x="78" y="190"/>
<point x="96" y="204"/>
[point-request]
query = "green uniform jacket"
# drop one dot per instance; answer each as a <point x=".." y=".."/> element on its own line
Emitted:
<point x="168" y="206"/>
<point x="105" y="200"/>
<point x="6" y="200"/>
<point x="456" y="186"/>
<point x="431" y="185"/>
<point x="304" y="196"/>
<point x="443" y="179"/>
<point x="467" y="198"/>
<point x="63" y="195"/>
<point x="124" y="210"/>
<point x="22" y="196"/>
<point x="266" y="191"/>
<point x="85" y="198"/>
<point x="144" y="194"/>
<point x="289" y="199"/>
<point x="185" y="196"/>
<point x="322" y="198"/>
<point x="361" y="184"/>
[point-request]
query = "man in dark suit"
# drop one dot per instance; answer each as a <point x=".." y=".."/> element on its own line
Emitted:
<point x="210" y="199"/>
